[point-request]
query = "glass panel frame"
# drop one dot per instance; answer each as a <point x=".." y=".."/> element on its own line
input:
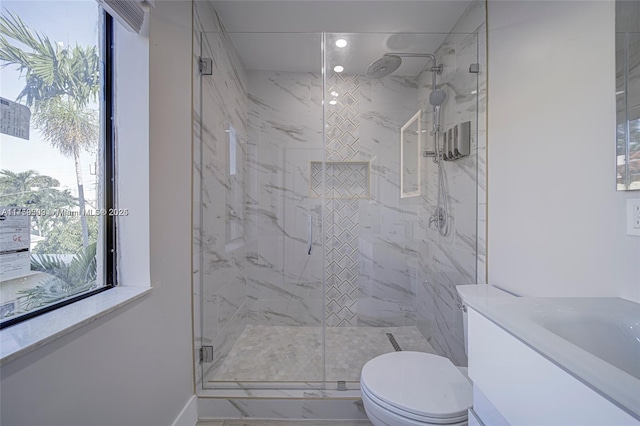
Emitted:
<point x="411" y="217"/>
<point x="391" y="233"/>
<point x="281" y="245"/>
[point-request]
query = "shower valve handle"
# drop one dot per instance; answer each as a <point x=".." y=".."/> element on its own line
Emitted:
<point x="309" y="233"/>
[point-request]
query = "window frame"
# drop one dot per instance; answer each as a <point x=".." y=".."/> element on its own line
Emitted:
<point x="108" y="142"/>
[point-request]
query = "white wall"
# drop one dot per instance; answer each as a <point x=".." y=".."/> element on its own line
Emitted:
<point x="555" y="221"/>
<point x="132" y="367"/>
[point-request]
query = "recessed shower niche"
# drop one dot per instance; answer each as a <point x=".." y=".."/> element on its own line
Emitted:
<point x="344" y="179"/>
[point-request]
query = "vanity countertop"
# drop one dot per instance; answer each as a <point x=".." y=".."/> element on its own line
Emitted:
<point x="596" y="340"/>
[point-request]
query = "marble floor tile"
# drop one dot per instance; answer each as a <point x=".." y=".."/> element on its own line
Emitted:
<point x="294" y="354"/>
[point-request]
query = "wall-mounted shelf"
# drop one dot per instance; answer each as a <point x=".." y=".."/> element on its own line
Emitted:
<point x="345" y="179"/>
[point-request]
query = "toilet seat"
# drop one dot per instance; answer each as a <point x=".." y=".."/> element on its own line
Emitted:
<point x="409" y="417"/>
<point x="423" y="387"/>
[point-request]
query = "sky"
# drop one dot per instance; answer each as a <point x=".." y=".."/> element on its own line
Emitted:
<point x="68" y="22"/>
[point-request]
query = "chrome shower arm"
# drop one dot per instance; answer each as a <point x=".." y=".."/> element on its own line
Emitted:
<point x="414" y="55"/>
<point x="435" y="69"/>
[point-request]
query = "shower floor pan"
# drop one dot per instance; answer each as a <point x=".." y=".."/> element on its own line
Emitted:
<point x="265" y="356"/>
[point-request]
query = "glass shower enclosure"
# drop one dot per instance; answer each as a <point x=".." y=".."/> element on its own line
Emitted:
<point x="308" y="261"/>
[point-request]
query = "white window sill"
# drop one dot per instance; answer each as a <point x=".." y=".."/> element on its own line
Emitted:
<point x="31" y="334"/>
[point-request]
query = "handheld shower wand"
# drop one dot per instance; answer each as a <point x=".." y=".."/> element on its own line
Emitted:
<point x="441" y="213"/>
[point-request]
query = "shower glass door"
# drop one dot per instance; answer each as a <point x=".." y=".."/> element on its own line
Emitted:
<point x="310" y="260"/>
<point x="390" y="277"/>
<point x="261" y="176"/>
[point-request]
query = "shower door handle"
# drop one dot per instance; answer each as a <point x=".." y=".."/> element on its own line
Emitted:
<point x="309" y="233"/>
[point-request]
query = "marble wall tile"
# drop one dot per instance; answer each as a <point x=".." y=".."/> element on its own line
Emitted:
<point x="312" y="405"/>
<point x="333" y="409"/>
<point x="456" y="259"/>
<point x="216" y="408"/>
<point x="386" y="284"/>
<point x="219" y="218"/>
<point x="292" y="312"/>
<point x="285" y="136"/>
<point x="376" y="312"/>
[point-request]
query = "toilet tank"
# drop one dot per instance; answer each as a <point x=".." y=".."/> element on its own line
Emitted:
<point x="476" y="290"/>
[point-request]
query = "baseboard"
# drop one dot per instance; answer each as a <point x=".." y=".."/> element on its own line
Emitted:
<point x="189" y="414"/>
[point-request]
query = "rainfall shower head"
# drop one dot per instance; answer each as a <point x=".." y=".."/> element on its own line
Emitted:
<point x="391" y="61"/>
<point x="384" y="66"/>
<point x="437" y="97"/>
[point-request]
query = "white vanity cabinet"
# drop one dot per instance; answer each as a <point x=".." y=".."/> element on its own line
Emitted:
<point x="525" y="387"/>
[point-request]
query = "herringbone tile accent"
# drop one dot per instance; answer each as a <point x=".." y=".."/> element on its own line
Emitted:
<point x="341" y="262"/>
<point x="343" y="133"/>
<point x="345" y="183"/>
<point x="344" y="180"/>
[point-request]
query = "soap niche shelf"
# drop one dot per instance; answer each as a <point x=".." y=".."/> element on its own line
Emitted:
<point x="345" y="179"/>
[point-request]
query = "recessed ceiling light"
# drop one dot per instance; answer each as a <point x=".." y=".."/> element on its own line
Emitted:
<point x="333" y="102"/>
<point x="338" y="68"/>
<point x="473" y="92"/>
<point x="334" y="93"/>
<point x="341" y="42"/>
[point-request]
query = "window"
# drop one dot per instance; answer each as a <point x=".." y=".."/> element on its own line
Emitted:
<point x="57" y="215"/>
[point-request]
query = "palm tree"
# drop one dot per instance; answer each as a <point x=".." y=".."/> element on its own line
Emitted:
<point x="23" y="183"/>
<point x="60" y="82"/>
<point x="69" y="129"/>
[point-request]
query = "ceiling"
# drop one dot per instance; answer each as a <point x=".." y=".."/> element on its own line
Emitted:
<point x="294" y="30"/>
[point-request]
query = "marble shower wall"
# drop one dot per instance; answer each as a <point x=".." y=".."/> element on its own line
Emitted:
<point x="458" y="258"/>
<point x="285" y="137"/>
<point x="370" y="256"/>
<point x="221" y="232"/>
<point x="371" y="240"/>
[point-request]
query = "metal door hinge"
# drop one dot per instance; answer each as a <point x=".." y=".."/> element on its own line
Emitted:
<point x="206" y="354"/>
<point x="205" y="66"/>
<point x="474" y="68"/>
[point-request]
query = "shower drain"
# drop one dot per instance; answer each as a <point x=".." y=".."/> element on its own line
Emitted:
<point x="393" y="341"/>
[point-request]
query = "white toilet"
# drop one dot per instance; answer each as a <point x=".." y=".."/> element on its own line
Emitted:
<point x="414" y="388"/>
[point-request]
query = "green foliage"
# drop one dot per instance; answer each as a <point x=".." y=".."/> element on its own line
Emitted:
<point x="50" y="70"/>
<point x="65" y="279"/>
<point x="15" y="182"/>
<point x="35" y="191"/>
<point x="65" y="236"/>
